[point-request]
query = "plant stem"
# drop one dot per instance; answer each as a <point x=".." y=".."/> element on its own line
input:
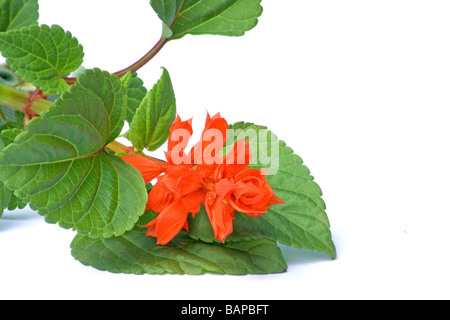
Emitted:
<point x="144" y="60"/>
<point x="18" y="100"/>
<point x="120" y="148"/>
<point x="137" y="65"/>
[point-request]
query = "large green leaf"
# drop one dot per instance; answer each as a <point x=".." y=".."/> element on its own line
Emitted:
<point x="15" y="14"/>
<point x="135" y="253"/>
<point x="7" y="198"/>
<point x="41" y="55"/>
<point x="60" y="165"/>
<point x="150" y="126"/>
<point x="302" y="221"/>
<point x="218" y="17"/>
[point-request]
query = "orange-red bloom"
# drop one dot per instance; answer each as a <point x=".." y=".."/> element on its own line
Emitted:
<point x="223" y="184"/>
<point x="248" y="192"/>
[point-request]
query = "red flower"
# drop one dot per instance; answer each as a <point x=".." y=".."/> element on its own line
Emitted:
<point x="248" y="192"/>
<point x="222" y="183"/>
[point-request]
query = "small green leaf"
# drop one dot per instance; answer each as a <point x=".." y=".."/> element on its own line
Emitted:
<point x="150" y="126"/>
<point x="8" y="77"/>
<point x="15" y="14"/>
<point x="10" y="119"/>
<point x="218" y="17"/>
<point x="41" y="55"/>
<point x="134" y="253"/>
<point x="60" y="165"/>
<point x="7" y="137"/>
<point x="301" y="222"/>
<point x="136" y="92"/>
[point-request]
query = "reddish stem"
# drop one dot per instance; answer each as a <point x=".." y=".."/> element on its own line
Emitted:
<point x="135" y="66"/>
<point x="144" y="60"/>
<point x="35" y="95"/>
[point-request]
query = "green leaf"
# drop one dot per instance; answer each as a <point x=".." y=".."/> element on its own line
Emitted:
<point x="15" y="14"/>
<point x="134" y="253"/>
<point x="302" y="221"/>
<point x="7" y="137"/>
<point x="59" y="163"/>
<point x="8" y="77"/>
<point x="7" y="198"/>
<point x="9" y="201"/>
<point x="136" y="92"/>
<point x="41" y="55"/>
<point x="150" y="126"/>
<point x="10" y="119"/>
<point x="217" y="17"/>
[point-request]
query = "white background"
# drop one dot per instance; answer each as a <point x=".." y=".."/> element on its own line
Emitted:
<point x="359" y="89"/>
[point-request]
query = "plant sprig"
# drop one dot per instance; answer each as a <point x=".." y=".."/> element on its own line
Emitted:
<point x="60" y="154"/>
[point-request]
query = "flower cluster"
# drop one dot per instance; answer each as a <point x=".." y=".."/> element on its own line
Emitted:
<point x="223" y="184"/>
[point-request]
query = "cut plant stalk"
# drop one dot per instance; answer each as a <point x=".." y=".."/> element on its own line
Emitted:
<point x="18" y="100"/>
<point x="33" y="103"/>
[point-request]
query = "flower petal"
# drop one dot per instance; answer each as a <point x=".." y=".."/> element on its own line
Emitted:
<point x="149" y="169"/>
<point x="180" y="133"/>
<point x="252" y="212"/>
<point x="224" y="188"/>
<point x="169" y="223"/>
<point x="158" y="198"/>
<point x="192" y="201"/>
<point x="214" y="136"/>
<point x="189" y="182"/>
<point x="275" y="200"/>
<point x="220" y="215"/>
<point x="237" y="159"/>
